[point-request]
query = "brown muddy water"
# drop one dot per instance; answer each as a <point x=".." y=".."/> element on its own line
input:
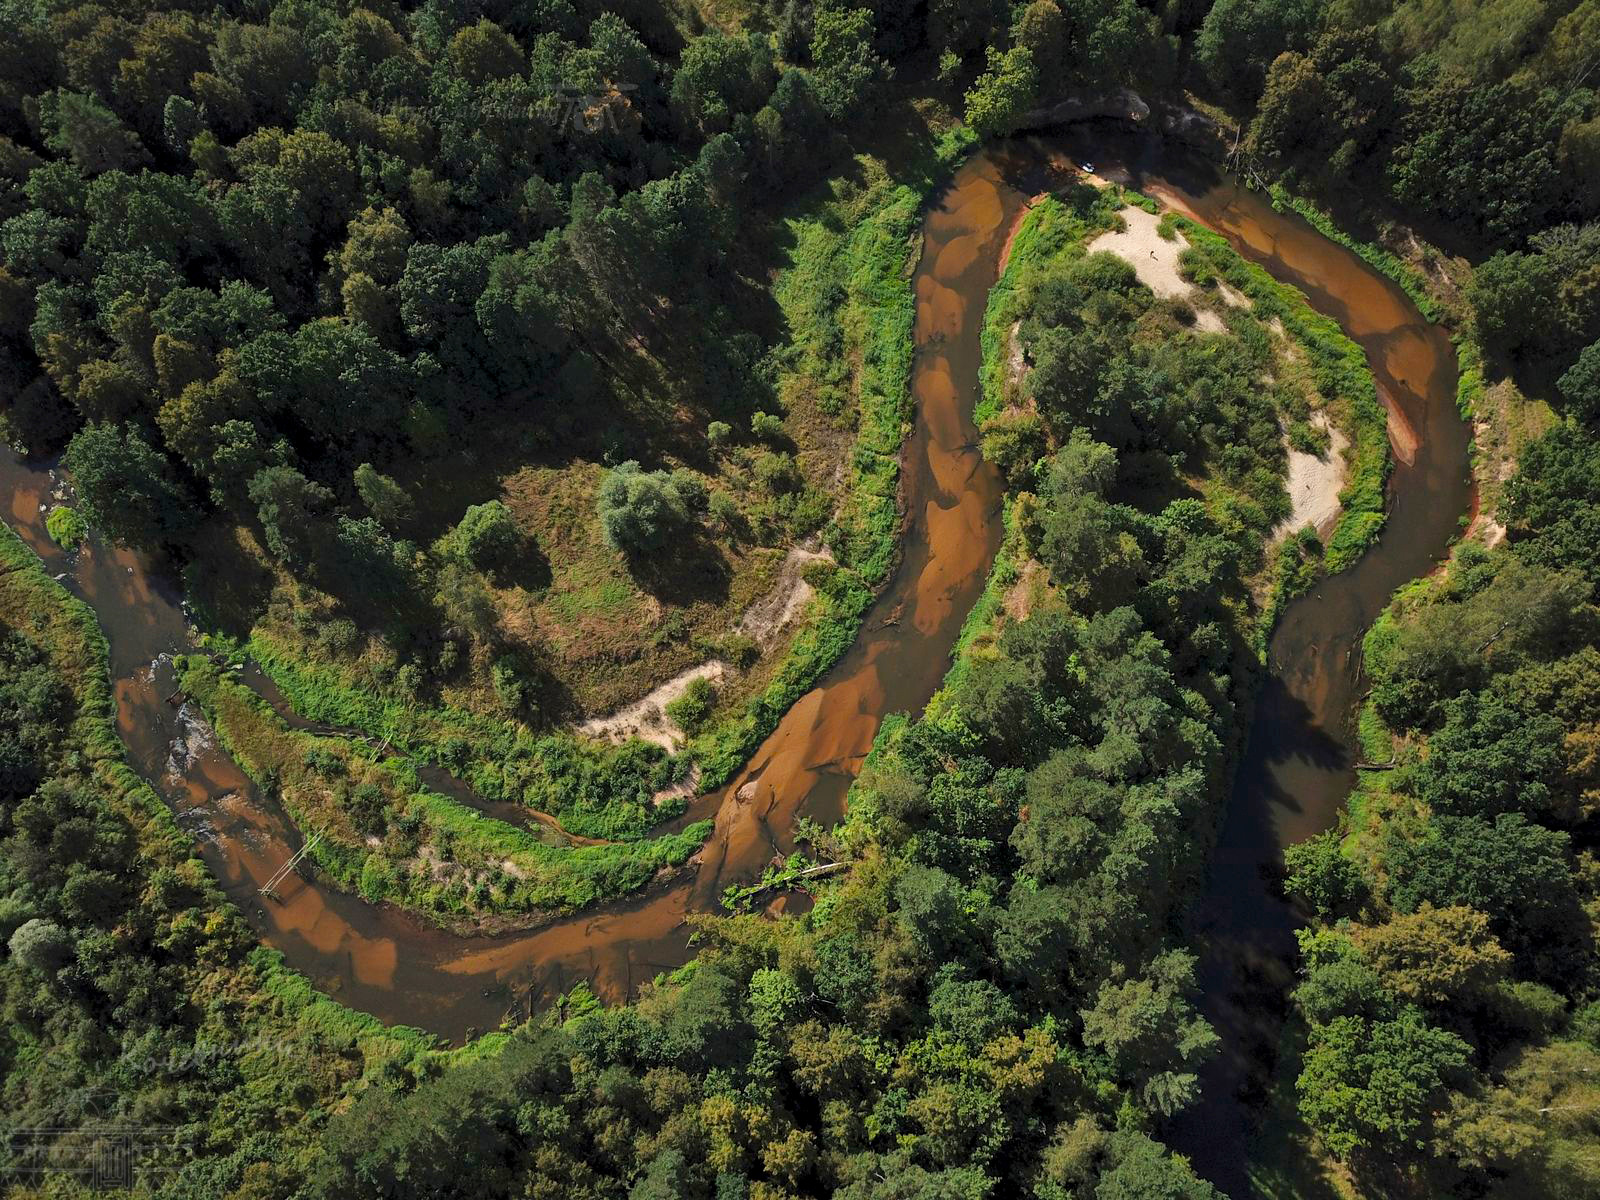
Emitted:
<point x="378" y="959"/>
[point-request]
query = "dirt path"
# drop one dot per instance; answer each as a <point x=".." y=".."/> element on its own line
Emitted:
<point x="647" y="718"/>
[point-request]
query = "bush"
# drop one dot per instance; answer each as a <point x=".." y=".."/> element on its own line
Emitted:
<point x="640" y="510"/>
<point x="1321" y="876"/>
<point x="725" y="513"/>
<point x="693" y="709"/>
<point x="777" y="474"/>
<point x="1580" y="386"/>
<point x="41" y="945"/>
<point x="1013" y="441"/>
<point x="1309" y="439"/>
<point x="67" y="528"/>
<point x="384" y="498"/>
<point x="718" y="434"/>
<point x="488" y="537"/>
<point x="767" y="427"/>
<point x="512" y="684"/>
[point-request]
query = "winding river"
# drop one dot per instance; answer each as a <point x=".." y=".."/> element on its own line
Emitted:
<point x="1295" y="774"/>
<point x="1299" y="761"/>
<point x="380" y="960"/>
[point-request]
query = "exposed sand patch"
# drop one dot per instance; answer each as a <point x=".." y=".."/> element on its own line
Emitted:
<point x="1314" y="483"/>
<point x="1153" y="257"/>
<point x="1403" y="438"/>
<point x="1487" y="530"/>
<point x="1020" y="596"/>
<point x="687" y="787"/>
<point x="771" y="614"/>
<point x="647" y="719"/>
<point x="1016" y="356"/>
<point x="1234" y="298"/>
<point x="1155" y="260"/>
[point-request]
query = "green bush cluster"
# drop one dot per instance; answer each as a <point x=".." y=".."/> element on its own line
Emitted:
<point x="66" y="527"/>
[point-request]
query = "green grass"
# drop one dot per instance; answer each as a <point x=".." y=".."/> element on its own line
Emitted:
<point x="1008" y="561"/>
<point x="594" y="791"/>
<point x="1298" y="566"/>
<point x="315" y="1013"/>
<point x="1469" y="379"/>
<point x="1377" y="742"/>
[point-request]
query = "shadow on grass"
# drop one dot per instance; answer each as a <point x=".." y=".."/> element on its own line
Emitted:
<point x="690" y="571"/>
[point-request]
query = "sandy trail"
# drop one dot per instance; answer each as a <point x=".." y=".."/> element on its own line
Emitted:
<point x="647" y="718"/>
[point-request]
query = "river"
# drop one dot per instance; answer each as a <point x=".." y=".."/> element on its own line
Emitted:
<point x="380" y="960"/>
<point x="1298" y="765"/>
<point x="1296" y="771"/>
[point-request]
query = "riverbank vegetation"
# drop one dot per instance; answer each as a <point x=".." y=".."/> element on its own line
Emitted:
<point x="387" y="836"/>
<point x="1197" y="401"/>
<point x="991" y="1000"/>
<point x="485" y="365"/>
<point x="1003" y="940"/>
<point x="379" y="378"/>
<point x="1455" y="943"/>
<point x="134" y="994"/>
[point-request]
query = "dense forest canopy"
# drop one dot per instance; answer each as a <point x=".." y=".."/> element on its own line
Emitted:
<point x="297" y="289"/>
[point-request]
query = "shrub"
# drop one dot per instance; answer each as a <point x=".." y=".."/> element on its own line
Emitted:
<point x="640" y="510"/>
<point x="1580" y="386"/>
<point x="691" y="489"/>
<point x="767" y="427"/>
<point x="1309" y="439"/>
<point x="384" y="498"/>
<point x="692" y="709"/>
<point x="512" y="684"/>
<point x="1013" y="441"/>
<point x="777" y="474"/>
<point x="41" y="945"/>
<point x="488" y="537"/>
<point x="739" y="649"/>
<point x="725" y="512"/>
<point x="1321" y="876"/>
<point x="67" y="528"/>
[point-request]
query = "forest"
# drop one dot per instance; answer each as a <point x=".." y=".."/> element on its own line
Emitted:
<point x="475" y="366"/>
